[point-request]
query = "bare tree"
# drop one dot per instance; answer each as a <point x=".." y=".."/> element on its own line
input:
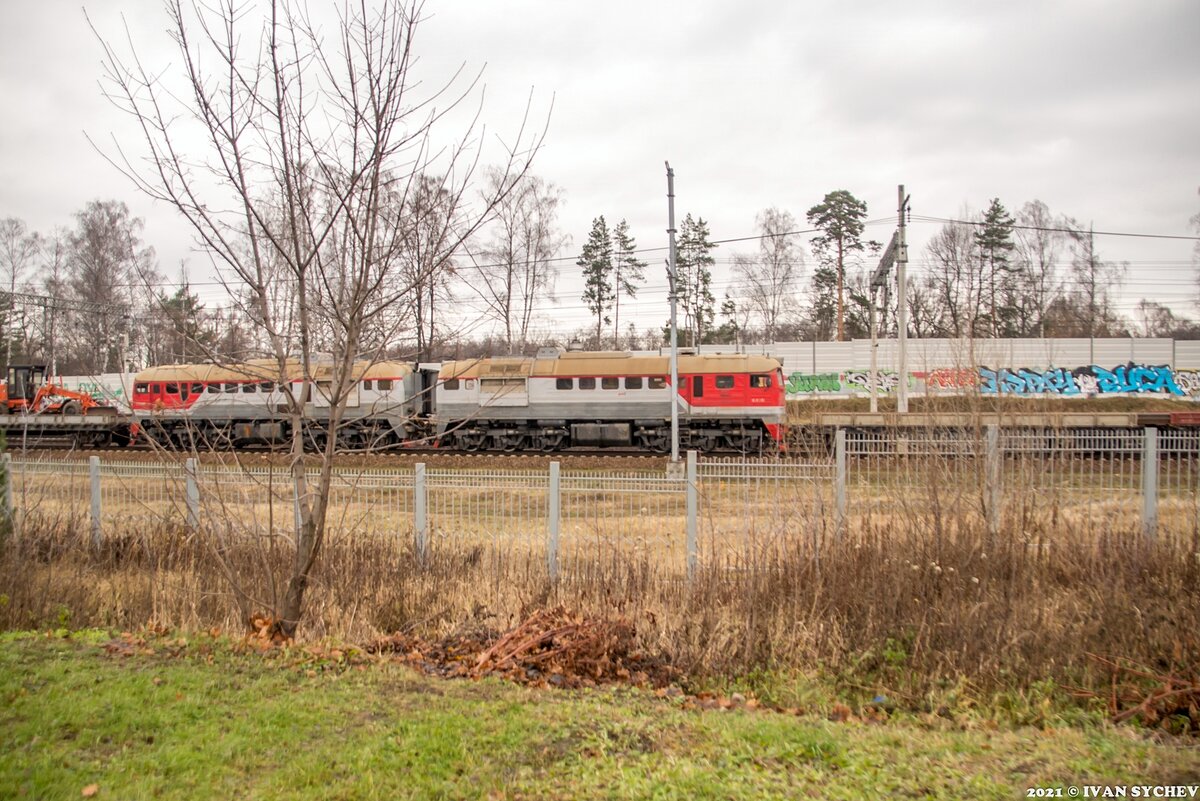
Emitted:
<point x="1038" y="242"/>
<point x="1090" y="299"/>
<point x="514" y="263"/>
<point x="106" y="265"/>
<point x="309" y="136"/>
<point x="769" y="282"/>
<point x="953" y="281"/>
<point x="19" y="248"/>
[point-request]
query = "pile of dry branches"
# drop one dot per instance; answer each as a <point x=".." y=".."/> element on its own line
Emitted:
<point x="551" y="647"/>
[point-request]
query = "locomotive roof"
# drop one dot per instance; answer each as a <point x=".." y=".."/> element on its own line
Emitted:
<point x="602" y="363"/>
<point x="264" y="370"/>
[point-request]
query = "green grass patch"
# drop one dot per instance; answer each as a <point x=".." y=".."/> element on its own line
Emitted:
<point x="198" y="718"/>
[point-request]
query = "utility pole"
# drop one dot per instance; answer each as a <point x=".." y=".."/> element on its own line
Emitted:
<point x="879" y="281"/>
<point x="902" y="309"/>
<point x="674" y="333"/>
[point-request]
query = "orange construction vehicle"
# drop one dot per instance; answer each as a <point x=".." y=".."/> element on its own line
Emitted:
<point x="28" y="392"/>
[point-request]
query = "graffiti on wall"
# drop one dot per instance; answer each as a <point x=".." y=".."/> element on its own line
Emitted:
<point x="1090" y="379"/>
<point x="1082" y="381"/>
<point x="851" y="381"/>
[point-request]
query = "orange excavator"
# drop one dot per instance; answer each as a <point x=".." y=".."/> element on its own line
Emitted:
<point x="28" y="392"/>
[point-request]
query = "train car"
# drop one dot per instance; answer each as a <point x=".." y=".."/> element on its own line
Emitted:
<point x="558" y="400"/>
<point x="242" y="405"/>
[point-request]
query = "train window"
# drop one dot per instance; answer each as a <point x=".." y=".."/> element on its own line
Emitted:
<point x="658" y="382"/>
<point x="171" y="389"/>
<point x="587" y="383"/>
<point x="231" y="387"/>
<point x="697" y="386"/>
<point x="268" y="386"/>
<point x="197" y="389"/>
<point x="249" y="388"/>
<point x="610" y="382"/>
<point x="724" y="382"/>
<point x="141" y="389"/>
<point x="384" y="385"/>
<point x="633" y="382"/>
<point x="564" y="383"/>
<point x="760" y="382"/>
<point x="213" y="388"/>
<point x="450" y="383"/>
<point x="367" y="384"/>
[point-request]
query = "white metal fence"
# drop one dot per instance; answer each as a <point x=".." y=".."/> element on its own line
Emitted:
<point x="733" y="515"/>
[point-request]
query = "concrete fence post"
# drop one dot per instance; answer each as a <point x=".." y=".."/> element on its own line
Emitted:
<point x="192" y="489"/>
<point x="839" y="478"/>
<point x="554" y="509"/>
<point x="693" y="509"/>
<point x="992" y="480"/>
<point x="1150" y="482"/>
<point x="94" y="474"/>
<point x="420" y="499"/>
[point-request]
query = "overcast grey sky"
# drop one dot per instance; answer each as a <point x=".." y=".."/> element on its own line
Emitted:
<point x="1092" y="106"/>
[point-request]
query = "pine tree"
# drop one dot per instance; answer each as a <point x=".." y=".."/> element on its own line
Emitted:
<point x="995" y="242"/>
<point x="840" y="218"/>
<point x="596" y="259"/>
<point x="628" y="273"/>
<point x="693" y="267"/>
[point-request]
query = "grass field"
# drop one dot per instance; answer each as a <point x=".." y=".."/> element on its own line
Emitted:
<point x="200" y="718"/>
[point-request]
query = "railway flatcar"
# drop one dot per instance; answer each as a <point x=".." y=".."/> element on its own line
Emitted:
<point x="242" y="405"/>
<point x="558" y="400"/>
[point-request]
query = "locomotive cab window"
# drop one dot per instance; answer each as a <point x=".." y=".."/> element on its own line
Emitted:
<point x="760" y="382"/>
<point x="587" y="383"/>
<point x="384" y="385"/>
<point x="141" y="389"/>
<point x="610" y="382"/>
<point x="564" y="383"/>
<point x="633" y="382"/>
<point x="724" y="382"/>
<point x="451" y="383"/>
<point x="367" y="384"/>
<point x="658" y="382"/>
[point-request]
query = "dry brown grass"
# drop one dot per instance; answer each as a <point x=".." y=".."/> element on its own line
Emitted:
<point x="893" y="597"/>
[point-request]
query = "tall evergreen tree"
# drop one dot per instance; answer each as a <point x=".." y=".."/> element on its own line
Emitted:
<point x="840" y="218"/>
<point x="693" y="267"/>
<point x="995" y="242"/>
<point x="596" y="259"/>
<point x="628" y="273"/>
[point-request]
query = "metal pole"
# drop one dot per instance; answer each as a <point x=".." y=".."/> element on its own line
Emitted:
<point x="552" y="516"/>
<point x="674" y="303"/>
<point x="192" y="488"/>
<point x="1150" y="483"/>
<point x="94" y="472"/>
<point x="992" y="478"/>
<point x="419" y="513"/>
<point x="902" y="308"/>
<point x="693" y="509"/>
<point x="9" y="511"/>
<point x="839" y="460"/>
<point x="874" y="359"/>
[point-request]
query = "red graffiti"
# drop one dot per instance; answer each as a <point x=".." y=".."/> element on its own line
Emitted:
<point x="952" y="378"/>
